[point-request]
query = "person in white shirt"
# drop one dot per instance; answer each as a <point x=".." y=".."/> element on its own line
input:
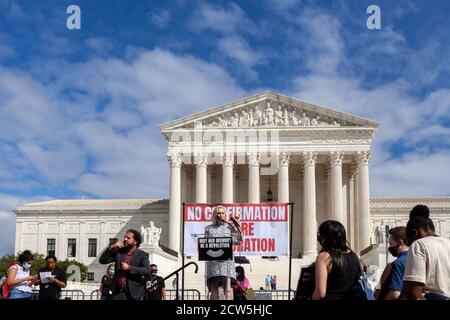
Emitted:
<point x="427" y="271"/>
<point x="19" y="279"/>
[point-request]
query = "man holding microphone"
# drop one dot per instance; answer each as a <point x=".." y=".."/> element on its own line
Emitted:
<point x="131" y="267"/>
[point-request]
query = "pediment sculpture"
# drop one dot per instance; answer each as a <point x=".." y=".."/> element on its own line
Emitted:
<point x="280" y="116"/>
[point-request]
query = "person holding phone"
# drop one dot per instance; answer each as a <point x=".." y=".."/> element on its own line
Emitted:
<point x="19" y="279"/>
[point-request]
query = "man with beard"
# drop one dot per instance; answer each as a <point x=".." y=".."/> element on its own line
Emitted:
<point x="131" y="267"/>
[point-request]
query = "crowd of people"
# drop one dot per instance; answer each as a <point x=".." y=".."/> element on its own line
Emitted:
<point x="271" y="282"/>
<point x="17" y="283"/>
<point x="421" y="269"/>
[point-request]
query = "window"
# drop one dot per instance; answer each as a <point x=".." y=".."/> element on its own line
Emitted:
<point x="92" y="248"/>
<point x="71" y="248"/>
<point x="90" y="276"/>
<point x="113" y="240"/>
<point x="51" y="245"/>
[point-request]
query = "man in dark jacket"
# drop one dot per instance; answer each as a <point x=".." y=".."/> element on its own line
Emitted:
<point x="131" y="267"/>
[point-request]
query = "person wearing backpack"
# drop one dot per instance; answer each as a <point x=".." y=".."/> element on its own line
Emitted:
<point x="337" y="267"/>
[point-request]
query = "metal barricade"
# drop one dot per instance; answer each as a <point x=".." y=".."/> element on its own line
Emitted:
<point x="65" y="295"/>
<point x="171" y="294"/>
<point x="95" y="295"/>
<point x="189" y="294"/>
<point x="274" y="294"/>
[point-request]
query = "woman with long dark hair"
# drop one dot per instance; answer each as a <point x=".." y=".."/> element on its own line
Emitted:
<point x="337" y="267"/>
<point x="241" y="285"/>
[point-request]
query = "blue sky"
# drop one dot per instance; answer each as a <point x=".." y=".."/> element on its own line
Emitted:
<point x="80" y="109"/>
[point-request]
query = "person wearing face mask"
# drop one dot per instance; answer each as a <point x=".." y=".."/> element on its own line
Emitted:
<point x="427" y="270"/>
<point x="392" y="286"/>
<point x="51" y="289"/>
<point x="19" y="279"/>
<point x="131" y="267"/>
<point x="155" y="286"/>
<point x="241" y="285"/>
<point x="106" y="284"/>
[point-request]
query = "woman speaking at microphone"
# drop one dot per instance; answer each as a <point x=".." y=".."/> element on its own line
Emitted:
<point x="219" y="270"/>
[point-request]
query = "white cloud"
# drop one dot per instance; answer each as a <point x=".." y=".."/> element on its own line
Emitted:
<point x="229" y="20"/>
<point x="235" y="47"/>
<point x="7" y="219"/>
<point x="95" y="126"/>
<point x="99" y="45"/>
<point x="159" y="18"/>
<point x="6" y="51"/>
<point x="412" y="174"/>
<point x="404" y="117"/>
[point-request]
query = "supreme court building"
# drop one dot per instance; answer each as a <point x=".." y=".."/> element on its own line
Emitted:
<point x="263" y="148"/>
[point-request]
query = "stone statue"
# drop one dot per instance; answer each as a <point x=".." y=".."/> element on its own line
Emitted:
<point x="257" y="117"/>
<point x="144" y="235"/>
<point x="279" y="121"/>
<point x="315" y="121"/>
<point x="304" y="121"/>
<point x="293" y="118"/>
<point x="222" y="123"/>
<point x="268" y="115"/>
<point x="151" y="234"/>
<point x="234" y="120"/>
<point x="380" y="234"/>
<point x="336" y="124"/>
<point x="244" y="119"/>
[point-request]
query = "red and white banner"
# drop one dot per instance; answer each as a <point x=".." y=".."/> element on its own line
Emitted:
<point x="264" y="227"/>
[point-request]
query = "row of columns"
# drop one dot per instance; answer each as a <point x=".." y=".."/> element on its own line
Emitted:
<point x="360" y="210"/>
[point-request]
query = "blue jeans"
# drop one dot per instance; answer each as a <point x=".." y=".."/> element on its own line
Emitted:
<point x="17" y="294"/>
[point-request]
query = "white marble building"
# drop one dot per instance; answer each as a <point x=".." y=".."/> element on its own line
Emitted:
<point x="315" y="157"/>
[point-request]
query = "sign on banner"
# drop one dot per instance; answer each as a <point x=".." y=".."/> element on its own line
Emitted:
<point x="264" y="227"/>
<point x="219" y="248"/>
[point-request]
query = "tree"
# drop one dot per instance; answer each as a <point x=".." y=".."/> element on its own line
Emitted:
<point x="39" y="263"/>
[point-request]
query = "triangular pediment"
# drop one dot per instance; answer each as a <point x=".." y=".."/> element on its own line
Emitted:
<point x="268" y="109"/>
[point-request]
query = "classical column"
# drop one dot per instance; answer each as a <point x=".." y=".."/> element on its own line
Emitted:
<point x="227" y="178"/>
<point x="81" y="246"/>
<point x="210" y="183"/>
<point x="175" y="161"/>
<point x="201" y="162"/>
<point x="41" y="245"/>
<point x="283" y="177"/>
<point x="356" y="215"/>
<point x="336" y="205"/>
<point x="351" y="230"/>
<point x="253" y="178"/>
<point x="362" y="158"/>
<point x="309" y="193"/>
<point x="19" y="231"/>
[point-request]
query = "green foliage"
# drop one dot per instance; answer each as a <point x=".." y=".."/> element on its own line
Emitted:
<point x="39" y="263"/>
